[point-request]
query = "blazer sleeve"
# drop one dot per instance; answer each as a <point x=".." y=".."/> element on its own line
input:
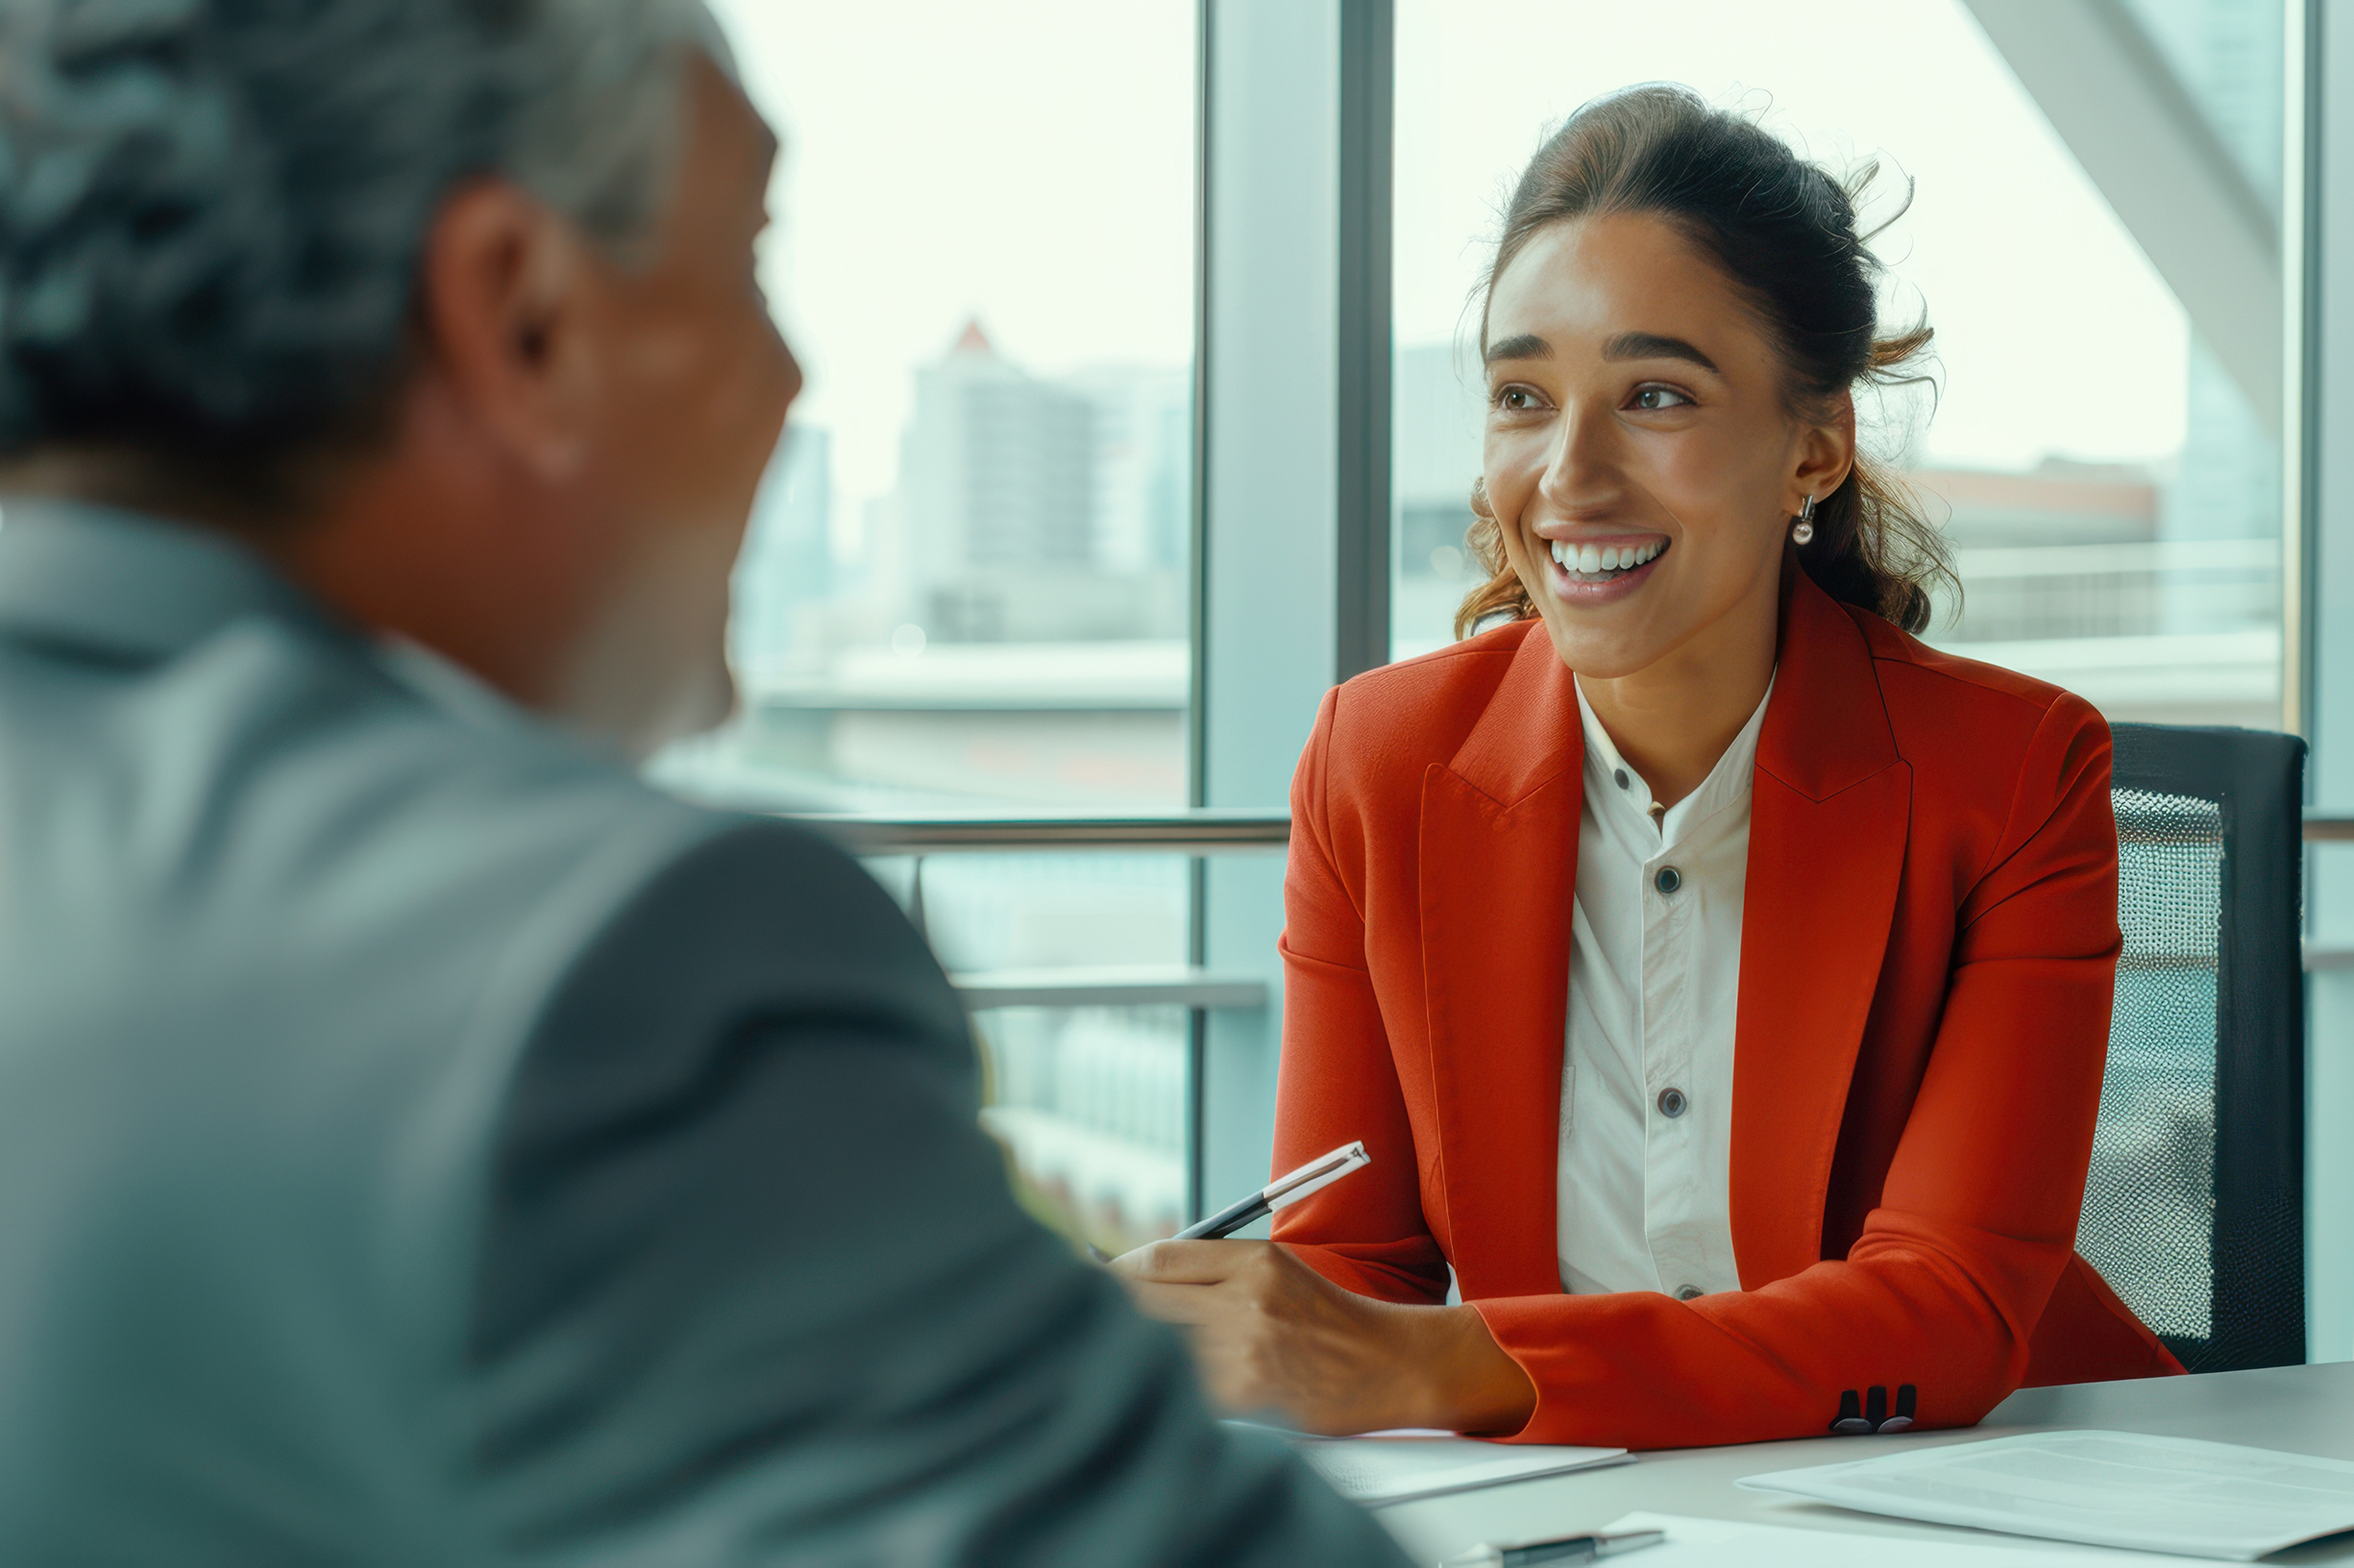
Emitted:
<point x="1339" y="1080"/>
<point x="753" y="1289"/>
<point x="1978" y="1217"/>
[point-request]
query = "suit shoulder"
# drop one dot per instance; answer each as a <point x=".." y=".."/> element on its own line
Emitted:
<point x="1981" y="739"/>
<point x="766" y="905"/>
<point x="761" y="925"/>
<point x="435" y="820"/>
<point x="1421" y="708"/>
<point x="1925" y="685"/>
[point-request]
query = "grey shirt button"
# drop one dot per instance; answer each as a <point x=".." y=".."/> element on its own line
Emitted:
<point x="1668" y="880"/>
<point x="1618" y="776"/>
<point x="1689" y="1292"/>
<point x="1672" y="1103"/>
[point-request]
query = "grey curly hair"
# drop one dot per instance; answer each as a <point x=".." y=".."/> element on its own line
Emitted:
<point x="212" y="210"/>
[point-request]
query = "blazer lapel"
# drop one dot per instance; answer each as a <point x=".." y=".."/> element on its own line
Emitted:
<point x="1828" y="816"/>
<point x="1499" y="845"/>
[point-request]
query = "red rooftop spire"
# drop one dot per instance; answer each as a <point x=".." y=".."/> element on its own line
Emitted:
<point x="974" y="340"/>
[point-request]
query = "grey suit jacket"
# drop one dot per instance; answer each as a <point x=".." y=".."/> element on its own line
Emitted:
<point x="419" y="1142"/>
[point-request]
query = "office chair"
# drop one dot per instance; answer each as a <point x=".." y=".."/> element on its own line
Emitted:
<point x="2194" y="1211"/>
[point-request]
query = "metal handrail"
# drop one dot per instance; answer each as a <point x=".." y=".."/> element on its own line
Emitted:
<point x="1204" y="831"/>
<point x="1200" y="832"/>
<point x="1142" y="985"/>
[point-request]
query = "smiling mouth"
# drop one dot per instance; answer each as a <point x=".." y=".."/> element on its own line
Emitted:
<point x="1585" y="563"/>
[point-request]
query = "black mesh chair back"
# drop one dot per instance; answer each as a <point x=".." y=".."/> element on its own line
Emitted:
<point x="2194" y="1212"/>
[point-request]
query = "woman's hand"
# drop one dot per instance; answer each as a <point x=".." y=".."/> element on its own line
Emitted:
<point x="1269" y="1334"/>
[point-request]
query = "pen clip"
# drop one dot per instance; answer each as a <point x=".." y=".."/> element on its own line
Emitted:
<point x="1315" y="1175"/>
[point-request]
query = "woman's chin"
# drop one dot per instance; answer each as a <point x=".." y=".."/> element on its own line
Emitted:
<point x="1597" y="653"/>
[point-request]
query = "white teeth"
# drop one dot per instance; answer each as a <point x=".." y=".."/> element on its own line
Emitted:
<point x="1588" y="560"/>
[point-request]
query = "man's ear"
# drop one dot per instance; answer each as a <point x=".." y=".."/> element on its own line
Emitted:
<point x="1827" y="453"/>
<point x="509" y="317"/>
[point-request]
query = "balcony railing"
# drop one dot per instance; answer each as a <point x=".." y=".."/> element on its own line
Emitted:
<point x="1198" y="832"/>
<point x="1207" y="831"/>
<point x="1050" y="1136"/>
<point x="1092" y="1147"/>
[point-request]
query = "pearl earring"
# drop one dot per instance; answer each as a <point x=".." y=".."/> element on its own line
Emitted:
<point x="1805" y="529"/>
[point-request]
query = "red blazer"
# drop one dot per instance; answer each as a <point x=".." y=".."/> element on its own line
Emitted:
<point x="1927" y="945"/>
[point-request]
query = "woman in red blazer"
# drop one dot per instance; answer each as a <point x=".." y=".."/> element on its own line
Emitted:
<point x="1683" y="532"/>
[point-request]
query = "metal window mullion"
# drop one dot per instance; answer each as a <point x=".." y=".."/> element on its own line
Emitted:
<point x="1198" y="564"/>
<point x="1197" y="510"/>
<point x="2301" y="256"/>
<point x="1363" y="409"/>
<point x="1268" y="565"/>
<point x="1197" y="1024"/>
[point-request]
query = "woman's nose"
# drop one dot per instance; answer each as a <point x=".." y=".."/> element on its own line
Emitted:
<point x="1577" y="467"/>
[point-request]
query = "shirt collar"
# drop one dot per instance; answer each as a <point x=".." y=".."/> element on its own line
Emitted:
<point x="122" y="582"/>
<point x="125" y="583"/>
<point x="1728" y="783"/>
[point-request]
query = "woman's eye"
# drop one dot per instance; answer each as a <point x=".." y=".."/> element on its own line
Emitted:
<point x="1516" y="398"/>
<point x="1655" y="397"/>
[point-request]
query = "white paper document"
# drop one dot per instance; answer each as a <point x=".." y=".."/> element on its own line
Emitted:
<point x="2107" y="1489"/>
<point x="1397" y="1467"/>
<point x="1730" y="1543"/>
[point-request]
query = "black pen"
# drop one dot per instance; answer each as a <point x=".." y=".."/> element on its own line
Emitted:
<point x="1568" y="1549"/>
<point x="1288" y="1188"/>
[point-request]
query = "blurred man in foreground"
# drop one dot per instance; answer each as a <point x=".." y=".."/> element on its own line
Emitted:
<point x="419" y="1142"/>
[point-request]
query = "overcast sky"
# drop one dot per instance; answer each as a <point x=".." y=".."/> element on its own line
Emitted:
<point x="1031" y="162"/>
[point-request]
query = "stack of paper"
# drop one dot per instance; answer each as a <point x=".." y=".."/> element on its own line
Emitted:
<point x="1726" y="1543"/>
<point x="2106" y="1488"/>
<point x="1396" y="1467"/>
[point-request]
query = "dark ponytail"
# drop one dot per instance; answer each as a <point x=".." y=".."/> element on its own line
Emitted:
<point x="1784" y="232"/>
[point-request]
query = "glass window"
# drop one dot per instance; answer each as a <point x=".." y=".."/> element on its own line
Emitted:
<point x="2112" y="496"/>
<point x="965" y="580"/>
<point x="1093" y="1099"/>
<point x="964" y="584"/>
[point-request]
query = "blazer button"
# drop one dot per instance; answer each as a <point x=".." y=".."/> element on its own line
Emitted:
<point x="1668" y="880"/>
<point x="1672" y="1103"/>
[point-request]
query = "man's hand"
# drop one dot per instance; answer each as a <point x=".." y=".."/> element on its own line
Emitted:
<point x="1270" y="1334"/>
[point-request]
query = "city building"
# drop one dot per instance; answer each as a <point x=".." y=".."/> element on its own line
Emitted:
<point x="1143" y="439"/>
<point x="2069" y="573"/>
<point x="1434" y="455"/>
<point x="784" y="578"/>
<point x="1041" y="511"/>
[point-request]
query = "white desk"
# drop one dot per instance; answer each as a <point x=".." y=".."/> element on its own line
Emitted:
<point x="2304" y="1409"/>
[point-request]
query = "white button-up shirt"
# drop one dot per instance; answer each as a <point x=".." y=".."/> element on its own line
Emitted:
<point x="1655" y="972"/>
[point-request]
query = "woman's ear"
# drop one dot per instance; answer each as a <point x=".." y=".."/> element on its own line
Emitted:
<point x="1826" y="456"/>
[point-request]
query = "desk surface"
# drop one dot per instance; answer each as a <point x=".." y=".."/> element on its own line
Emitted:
<point x="2303" y="1409"/>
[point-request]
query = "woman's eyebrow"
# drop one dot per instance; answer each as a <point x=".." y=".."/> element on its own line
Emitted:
<point x="1652" y="346"/>
<point x="1525" y="346"/>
